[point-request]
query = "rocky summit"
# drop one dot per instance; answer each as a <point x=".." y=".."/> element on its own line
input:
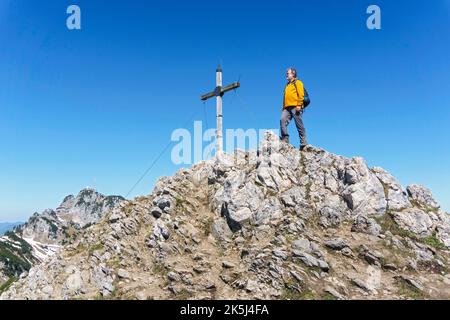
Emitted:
<point x="275" y="223"/>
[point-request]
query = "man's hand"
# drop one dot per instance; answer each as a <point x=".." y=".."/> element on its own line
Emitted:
<point x="298" y="108"/>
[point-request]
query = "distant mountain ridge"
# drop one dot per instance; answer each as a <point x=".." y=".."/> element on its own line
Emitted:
<point x="56" y="226"/>
<point x="7" y="226"/>
<point x="45" y="233"/>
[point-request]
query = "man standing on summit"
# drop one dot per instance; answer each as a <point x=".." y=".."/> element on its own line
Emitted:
<point x="293" y="107"/>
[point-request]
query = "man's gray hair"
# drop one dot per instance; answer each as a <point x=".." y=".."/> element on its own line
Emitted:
<point x="294" y="71"/>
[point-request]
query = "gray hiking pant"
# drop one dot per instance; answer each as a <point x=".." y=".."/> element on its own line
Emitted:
<point x="286" y="117"/>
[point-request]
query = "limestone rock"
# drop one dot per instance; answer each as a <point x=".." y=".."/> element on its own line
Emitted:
<point x="422" y="197"/>
<point x="336" y="244"/>
<point x="365" y="224"/>
<point x="364" y="192"/>
<point x="416" y="221"/>
<point x="397" y="198"/>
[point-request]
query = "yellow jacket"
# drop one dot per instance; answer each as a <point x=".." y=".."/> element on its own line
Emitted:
<point x="294" y="94"/>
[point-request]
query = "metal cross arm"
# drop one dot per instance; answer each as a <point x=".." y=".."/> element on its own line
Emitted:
<point x="220" y="91"/>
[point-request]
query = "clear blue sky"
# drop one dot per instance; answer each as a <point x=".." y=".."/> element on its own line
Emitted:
<point x="95" y="107"/>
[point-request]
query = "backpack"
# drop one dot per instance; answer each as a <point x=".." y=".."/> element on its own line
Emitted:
<point x="306" y="100"/>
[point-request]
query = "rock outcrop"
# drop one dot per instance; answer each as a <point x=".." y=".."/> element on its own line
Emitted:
<point x="275" y="223"/>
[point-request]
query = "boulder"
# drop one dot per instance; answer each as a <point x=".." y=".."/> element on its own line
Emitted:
<point x="220" y="229"/>
<point x="123" y="274"/>
<point x="165" y="203"/>
<point x="443" y="228"/>
<point x="336" y="244"/>
<point x="366" y="225"/>
<point x="397" y="198"/>
<point x="310" y="261"/>
<point x="302" y="245"/>
<point x="156" y="212"/>
<point x="238" y="199"/>
<point x="269" y="211"/>
<point x="414" y="220"/>
<point x="363" y="193"/>
<point x="422" y="197"/>
<point x="74" y="282"/>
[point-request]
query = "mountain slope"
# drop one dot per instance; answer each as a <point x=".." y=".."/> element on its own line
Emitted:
<point x="44" y="233"/>
<point x="55" y="227"/>
<point x="273" y="224"/>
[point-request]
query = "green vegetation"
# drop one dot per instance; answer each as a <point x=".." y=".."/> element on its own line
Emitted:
<point x="14" y="263"/>
<point x="293" y="294"/>
<point x="97" y="208"/>
<point x="113" y="263"/>
<point x="25" y="248"/>
<point x="16" y="255"/>
<point x="432" y="266"/>
<point x="395" y="256"/>
<point x="77" y="250"/>
<point x="421" y="206"/>
<point x="112" y="200"/>
<point x="308" y="190"/>
<point x="207" y="225"/>
<point x="184" y="294"/>
<point x="293" y="291"/>
<point x="179" y="202"/>
<point x="328" y="296"/>
<point x="7" y="284"/>
<point x="69" y="233"/>
<point x="159" y="268"/>
<point x="386" y="190"/>
<point x="433" y="241"/>
<point x="88" y="225"/>
<point x="95" y="247"/>
<point x="53" y="226"/>
<point x="309" y="183"/>
<point x="407" y="290"/>
<point x="113" y="296"/>
<point x="83" y="193"/>
<point x="387" y="223"/>
<point x="221" y="251"/>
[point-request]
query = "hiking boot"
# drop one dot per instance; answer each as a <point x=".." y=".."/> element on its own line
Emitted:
<point x="302" y="147"/>
<point x="285" y="139"/>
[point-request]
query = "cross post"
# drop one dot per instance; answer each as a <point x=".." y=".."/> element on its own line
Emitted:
<point x="218" y="93"/>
